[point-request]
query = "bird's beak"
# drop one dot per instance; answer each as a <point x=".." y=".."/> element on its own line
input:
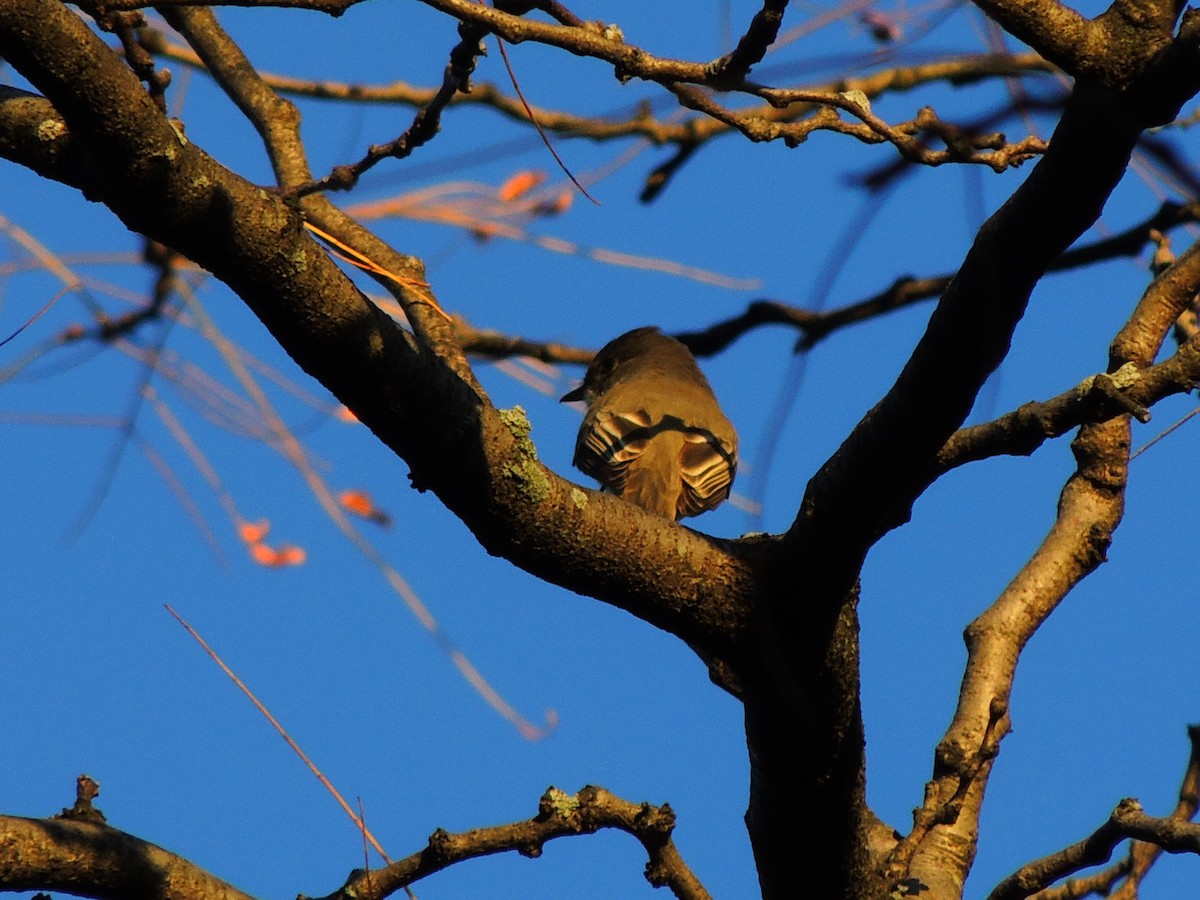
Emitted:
<point x="572" y="396"/>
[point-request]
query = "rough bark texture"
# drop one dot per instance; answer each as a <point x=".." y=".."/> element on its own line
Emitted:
<point x="776" y="618"/>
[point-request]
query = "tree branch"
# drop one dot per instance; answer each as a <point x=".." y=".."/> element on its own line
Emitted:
<point x="559" y="815"/>
<point x="1089" y="509"/>
<point x="416" y="396"/>
<point x="456" y="79"/>
<point x="764" y="27"/>
<point x="1097" y="399"/>
<point x="492" y="344"/>
<point x="1143" y="855"/>
<point x="1151" y="836"/>
<point x="870" y="483"/>
<point x="815" y="326"/>
<point x="804" y="644"/>
<point x="334" y="8"/>
<point x="94" y="860"/>
<point x="276" y="120"/>
<point x="958" y="71"/>
<point x="1054" y="30"/>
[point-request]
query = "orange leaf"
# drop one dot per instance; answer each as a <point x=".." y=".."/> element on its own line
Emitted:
<point x="520" y="185"/>
<point x="276" y="559"/>
<point x="290" y="555"/>
<point x="262" y="554"/>
<point x="253" y="532"/>
<point x="360" y="504"/>
<point x="357" y="502"/>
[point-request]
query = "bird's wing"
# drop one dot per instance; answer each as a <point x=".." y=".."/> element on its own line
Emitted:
<point x="707" y="466"/>
<point x="608" y="442"/>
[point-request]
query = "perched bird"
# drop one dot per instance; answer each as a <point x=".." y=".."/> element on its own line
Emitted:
<point x="654" y="433"/>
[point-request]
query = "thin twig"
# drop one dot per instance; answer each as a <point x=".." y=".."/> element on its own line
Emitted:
<point x="266" y="713"/>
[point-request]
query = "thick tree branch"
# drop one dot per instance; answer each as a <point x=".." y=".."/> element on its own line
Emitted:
<point x="94" y="860"/>
<point x="1054" y="30"/>
<point x="869" y="485"/>
<point x="1089" y="510"/>
<point x="1112" y="50"/>
<point x="32" y="134"/>
<point x="940" y="809"/>
<point x="804" y="734"/>
<point x="479" y="461"/>
<point x="805" y="648"/>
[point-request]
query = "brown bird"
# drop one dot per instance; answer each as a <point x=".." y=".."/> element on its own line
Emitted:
<point x="654" y="433"/>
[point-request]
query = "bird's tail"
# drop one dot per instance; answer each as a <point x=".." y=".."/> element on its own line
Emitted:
<point x="652" y="480"/>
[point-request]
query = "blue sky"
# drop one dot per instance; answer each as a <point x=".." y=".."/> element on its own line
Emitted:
<point x="100" y="679"/>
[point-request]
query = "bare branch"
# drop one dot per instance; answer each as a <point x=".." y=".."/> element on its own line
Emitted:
<point x="418" y="396"/>
<point x="455" y="79"/>
<point x="1056" y="31"/>
<point x="552" y="8"/>
<point x="1099" y="883"/>
<point x="1093" y="850"/>
<point x="1097" y="399"/>
<point x="628" y="61"/>
<point x="495" y="345"/>
<point x="765" y="123"/>
<point x="278" y="123"/>
<point x="905" y="291"/>
<point x="94" y="860"/>
<point x="589" y="39"/>
<point x="868" y="486"/>
<point x="276" y="120"/>
<point x="1151" y="836"/>
<point x="1143" y="855"/>
<point x="333" y="8"/>
<point x="938" y="811"/>
<point x="1169" y="834"/>
<point x="559" y="815"/>
<point x="1089" y="509"/>
<point x="750" y="50"/>
<point x="126" y="25"/>
<point x="991" y="150"/>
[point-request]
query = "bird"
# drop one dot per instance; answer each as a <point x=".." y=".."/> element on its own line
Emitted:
<point x="654" y="433"/>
